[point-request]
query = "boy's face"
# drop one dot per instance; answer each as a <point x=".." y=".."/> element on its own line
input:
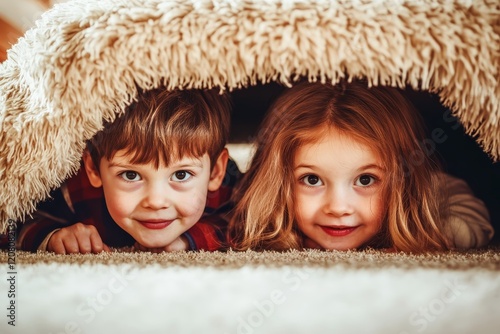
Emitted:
<point x="338" y="192"/>
<point x="155" y="206"/>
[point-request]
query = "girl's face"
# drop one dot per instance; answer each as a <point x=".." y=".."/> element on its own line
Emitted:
<point x="338" y="192"/>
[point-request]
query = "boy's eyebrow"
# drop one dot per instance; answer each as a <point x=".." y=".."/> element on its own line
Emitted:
<point x="193" y="163"/>
<point x="118" y="164"/>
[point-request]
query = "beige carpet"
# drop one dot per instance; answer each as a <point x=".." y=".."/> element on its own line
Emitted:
<point x="250" y="292"/>
<point x="484" y="259"/>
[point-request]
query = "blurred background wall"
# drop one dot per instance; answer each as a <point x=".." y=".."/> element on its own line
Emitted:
<point x="17" y="16"/>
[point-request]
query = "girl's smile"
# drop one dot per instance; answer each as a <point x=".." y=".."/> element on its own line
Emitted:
<point x="339" y="231"/>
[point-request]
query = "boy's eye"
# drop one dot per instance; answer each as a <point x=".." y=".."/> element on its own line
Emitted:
<point x="365" y="180"/>
<point x="312" y="180"/>
<point x="130" y="176"/>
<point x="181" y="175"/>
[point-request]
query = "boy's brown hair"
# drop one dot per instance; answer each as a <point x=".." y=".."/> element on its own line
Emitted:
<point x="164" y="125"/>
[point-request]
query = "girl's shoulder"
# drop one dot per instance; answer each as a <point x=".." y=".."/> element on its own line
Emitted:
<point x="468" y="221"/>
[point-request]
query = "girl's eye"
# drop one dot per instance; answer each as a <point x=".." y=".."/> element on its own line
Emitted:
<point x="365" y="180"/>
<point x="130" y="176"/>
<point x="312" y="180"/>
<point x="181" y="175"/>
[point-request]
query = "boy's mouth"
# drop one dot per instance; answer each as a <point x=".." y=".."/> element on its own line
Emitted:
<point x="339" y="231"/>
<point x="155" y="224"/>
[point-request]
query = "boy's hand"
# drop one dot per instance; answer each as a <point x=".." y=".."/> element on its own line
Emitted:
<point x="178" y="244"/>
<point x="78" y="238"/>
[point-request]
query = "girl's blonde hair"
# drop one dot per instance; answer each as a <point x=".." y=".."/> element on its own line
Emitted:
<point x="378" y="116"/>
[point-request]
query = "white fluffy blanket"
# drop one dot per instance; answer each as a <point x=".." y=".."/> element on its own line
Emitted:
<point x="84" y="60"/>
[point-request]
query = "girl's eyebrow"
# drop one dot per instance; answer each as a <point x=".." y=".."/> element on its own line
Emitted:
<point x="370" y="166"/>
<point x="364" y="167"/>
<point x="304" y="166"/>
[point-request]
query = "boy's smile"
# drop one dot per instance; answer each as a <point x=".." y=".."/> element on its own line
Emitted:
<point x="154" y="205"/>
<point x="338" y="191"/>
<point x="155" y="224"/>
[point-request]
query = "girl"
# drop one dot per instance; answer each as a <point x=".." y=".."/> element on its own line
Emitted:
<point x="345" y="167"/>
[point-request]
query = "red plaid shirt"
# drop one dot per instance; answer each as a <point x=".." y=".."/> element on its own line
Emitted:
<point x="78" y="201"/>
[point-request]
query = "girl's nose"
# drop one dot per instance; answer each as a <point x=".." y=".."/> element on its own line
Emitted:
<point x="338" y="202"/>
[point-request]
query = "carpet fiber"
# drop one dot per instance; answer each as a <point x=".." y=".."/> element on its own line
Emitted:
<point x="250" y="292"/>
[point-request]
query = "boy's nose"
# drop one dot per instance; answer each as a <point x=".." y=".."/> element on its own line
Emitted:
<point x="338" y="202"/>
<point x="157" y="198"/>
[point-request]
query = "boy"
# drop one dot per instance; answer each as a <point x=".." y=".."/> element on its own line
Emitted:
<point x="153" y="178"/>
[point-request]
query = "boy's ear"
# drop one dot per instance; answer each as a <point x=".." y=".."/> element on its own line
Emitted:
<point x="92" y="170"/>
<point x="218" y="171"/>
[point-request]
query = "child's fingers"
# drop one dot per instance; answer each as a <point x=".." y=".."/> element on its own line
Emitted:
<point x="78" y="238"/>
<point x="70" y="244"/>
<point x="95" y="243"/>
<point x="56" y="245"/>
<point x="85" y="245"/>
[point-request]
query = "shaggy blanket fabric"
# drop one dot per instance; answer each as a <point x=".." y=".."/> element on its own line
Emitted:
<point x="85" y="60"/>
<point x="249" y="292"/>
